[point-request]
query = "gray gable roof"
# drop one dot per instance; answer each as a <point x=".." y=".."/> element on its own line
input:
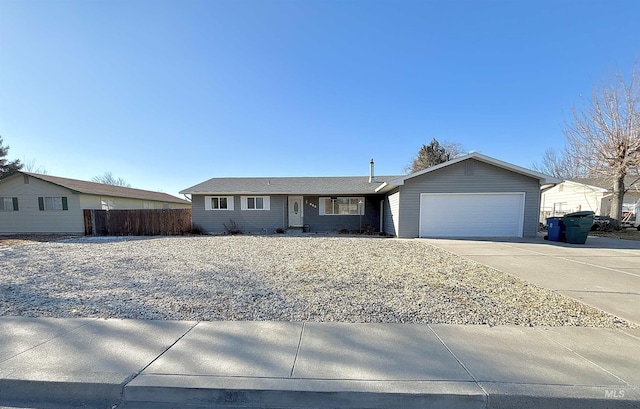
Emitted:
<point x="100" y="189"/>
<point x="341" y="185"/>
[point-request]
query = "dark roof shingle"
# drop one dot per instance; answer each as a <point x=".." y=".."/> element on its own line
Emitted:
<point x="339" y="185"/>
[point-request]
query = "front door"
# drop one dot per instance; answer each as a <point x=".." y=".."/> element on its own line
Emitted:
<point x="295" y="211"/>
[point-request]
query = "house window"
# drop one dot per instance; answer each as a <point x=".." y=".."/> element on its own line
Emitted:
<point x="107" y="204"/>
<point x="148" y="205"/>
<point x="54" y="203"/>
<point x="255" y="202"/>
<point x="9" y="204"/>
<point x="341" y="206"/>
<point x="218" y="202"/>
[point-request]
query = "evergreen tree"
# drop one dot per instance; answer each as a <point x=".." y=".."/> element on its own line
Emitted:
<point x="7" y="167"/>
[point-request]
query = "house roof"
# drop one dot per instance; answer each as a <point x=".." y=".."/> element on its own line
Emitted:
<point x="607" y="183"/>
<point x="586" y="185"/>
<point x="340" y="185"/>
<point x="100" y="189"/>
<point x="544" y="179"/>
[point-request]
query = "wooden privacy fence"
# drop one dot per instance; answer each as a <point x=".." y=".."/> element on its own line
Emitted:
<point x="147" y="222"/>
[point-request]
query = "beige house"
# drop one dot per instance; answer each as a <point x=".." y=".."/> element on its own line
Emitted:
<point x="34" y="203"/>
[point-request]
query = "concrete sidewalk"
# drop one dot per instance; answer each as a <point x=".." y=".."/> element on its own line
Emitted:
<point x="143" y="364"/>
<point x="603" y="272"/>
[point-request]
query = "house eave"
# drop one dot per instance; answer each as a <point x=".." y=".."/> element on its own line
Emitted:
<point x="258" y="193"/>
<point x="544" y="179"/>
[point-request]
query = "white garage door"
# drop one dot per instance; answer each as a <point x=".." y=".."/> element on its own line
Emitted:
<point x="471" y="214"/>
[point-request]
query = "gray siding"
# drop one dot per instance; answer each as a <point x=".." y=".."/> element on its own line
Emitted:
<point x="480" y="177"/>
<point x="249" y="221"/>
<point x="391" y="209"/>
<point x="319" y="223"/>
<point x="212" y="221"/>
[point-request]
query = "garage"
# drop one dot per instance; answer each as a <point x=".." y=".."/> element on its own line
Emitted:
<point x="472" y="214"/>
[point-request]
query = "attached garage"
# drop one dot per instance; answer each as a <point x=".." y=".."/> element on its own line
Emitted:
<point x="471" y="214"/>
<point x="470" y="196"/>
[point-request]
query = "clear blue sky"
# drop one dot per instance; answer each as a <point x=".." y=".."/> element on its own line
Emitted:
<point x="166" y="94"/>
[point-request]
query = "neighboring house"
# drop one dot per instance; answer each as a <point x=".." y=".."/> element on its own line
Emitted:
<point x="470" y="196"/>
<point x="594" y="194"/>
<point x="34" y="203"/>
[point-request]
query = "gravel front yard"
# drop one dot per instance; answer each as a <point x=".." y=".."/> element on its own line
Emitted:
<point x="273" y="278"/>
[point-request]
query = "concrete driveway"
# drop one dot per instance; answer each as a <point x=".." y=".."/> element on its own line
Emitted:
<point x="603" y="273"/>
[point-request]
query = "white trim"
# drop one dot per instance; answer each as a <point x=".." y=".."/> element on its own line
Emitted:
<point x="207" y="203"/>
<point x="394" y="210"/>
<point x="471" y="213"/>
<point x="300" y="210"/>
<point x="382" y="216"/>
<point x="544" y="179"/>
<point x="362" y="204"/>
<point x="595" y="189"/>
<point x="266" y="203"/>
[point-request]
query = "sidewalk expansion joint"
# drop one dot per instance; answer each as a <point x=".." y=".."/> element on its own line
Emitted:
<point x="577" y="261"/>
<point x="61" y="334"/>
<point x="582" y="357"/>
<point x="475" y="380"/>
<point x="295" y="358"/>
<point x="164" y="351"/>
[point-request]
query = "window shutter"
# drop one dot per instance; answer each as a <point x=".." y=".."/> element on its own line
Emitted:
<point x="207" y="203"/>
<point x="229" y="202"/>
<point x="65" y="205"/>
<point x="15" y="204"/>
<point x="267" y="202"/>
<point x="243" y="202"/>
<point x="41" y="203"/>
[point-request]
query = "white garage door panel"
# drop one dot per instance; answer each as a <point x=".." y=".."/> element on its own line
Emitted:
<point x="471" y="215"/>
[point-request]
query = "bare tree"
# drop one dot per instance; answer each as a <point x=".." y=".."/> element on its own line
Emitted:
<point x="434" y="154"/>
<point x="559" y="165"/>
<point x="29" y="165"/>
<point x="604" y="136"/>
<point x="109" y="179"/>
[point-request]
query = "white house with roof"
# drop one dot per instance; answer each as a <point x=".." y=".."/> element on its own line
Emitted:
<point x="593" y="194"/>
<point x="35" y="203"/>
<point x="470" y="196"/>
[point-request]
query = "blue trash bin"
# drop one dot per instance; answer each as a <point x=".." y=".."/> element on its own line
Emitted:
<point x="554" y="228"/>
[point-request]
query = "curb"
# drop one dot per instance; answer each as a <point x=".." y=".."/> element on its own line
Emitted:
<point x="168" y="390"/>
<point x="185" y="391"/>
<point x="51" y="392"/>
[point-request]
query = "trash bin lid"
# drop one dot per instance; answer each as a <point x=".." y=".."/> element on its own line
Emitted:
<point x="580" y="214"/>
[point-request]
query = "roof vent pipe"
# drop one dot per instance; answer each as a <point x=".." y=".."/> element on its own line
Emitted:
<point x="372" y="178"/>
